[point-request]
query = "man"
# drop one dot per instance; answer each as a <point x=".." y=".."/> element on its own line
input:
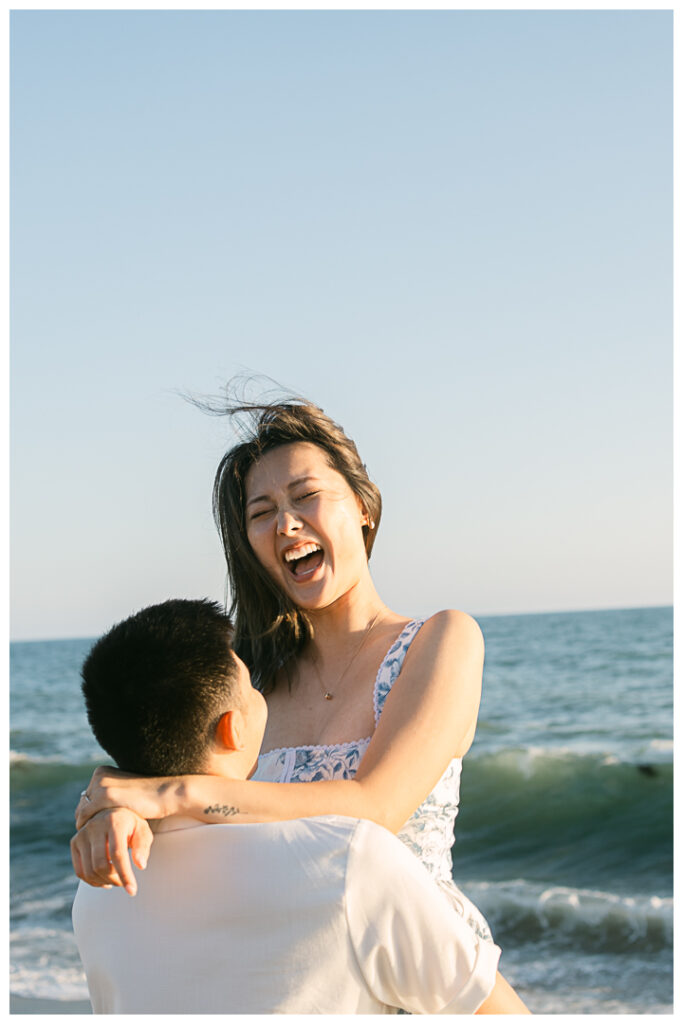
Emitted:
<point x="318" y="915"/>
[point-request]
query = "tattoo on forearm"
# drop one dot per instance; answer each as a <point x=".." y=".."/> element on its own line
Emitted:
<point x="226" y="811"/>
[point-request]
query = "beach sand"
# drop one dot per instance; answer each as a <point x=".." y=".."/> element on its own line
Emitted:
<point x="21" y="1004"/>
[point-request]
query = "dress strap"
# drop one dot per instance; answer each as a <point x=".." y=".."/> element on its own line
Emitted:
<point x="392" y="664"/>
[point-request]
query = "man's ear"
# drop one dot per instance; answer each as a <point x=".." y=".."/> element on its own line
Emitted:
<point x="230" y="730"/>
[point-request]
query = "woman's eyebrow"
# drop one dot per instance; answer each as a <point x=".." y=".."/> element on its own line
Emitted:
<point x="301" y="480"/>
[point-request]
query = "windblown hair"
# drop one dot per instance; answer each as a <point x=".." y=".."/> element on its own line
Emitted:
<point x="156" y="685"/>
<point x="270" y="630"/>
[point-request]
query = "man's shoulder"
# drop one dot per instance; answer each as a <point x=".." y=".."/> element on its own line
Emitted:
<point x="326" y="843"/>
<point x="297" y="839"/>
<point x="277" y="858"/>
<point x="334" y="830"/>
<point x="323" y="826"/>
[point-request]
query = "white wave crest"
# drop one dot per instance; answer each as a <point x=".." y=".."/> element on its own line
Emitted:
<point x="45" y="964"/>
<point x="564" y="907"/>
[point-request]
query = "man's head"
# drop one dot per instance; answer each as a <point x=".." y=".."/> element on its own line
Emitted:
<point x="166" y="695"/>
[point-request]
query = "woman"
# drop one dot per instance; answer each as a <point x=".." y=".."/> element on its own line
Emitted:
<point x="373" y="710"/>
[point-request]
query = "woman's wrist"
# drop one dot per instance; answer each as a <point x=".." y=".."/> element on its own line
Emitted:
<point x="191" y="796"/>
<point x="178" y="796"/>
<point x="210" y="799"/>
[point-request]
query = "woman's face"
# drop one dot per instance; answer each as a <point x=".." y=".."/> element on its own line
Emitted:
<point x="304" y="524"/>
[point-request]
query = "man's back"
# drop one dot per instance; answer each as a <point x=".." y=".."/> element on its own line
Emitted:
<point x="319" y="915"/>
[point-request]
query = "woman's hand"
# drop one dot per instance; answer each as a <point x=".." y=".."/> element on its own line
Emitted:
<point x="99" y="850"/>
<point x="148" y="797"/>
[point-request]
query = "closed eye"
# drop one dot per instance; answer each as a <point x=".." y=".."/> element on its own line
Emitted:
<point x="267" y="511"/>
<point x="261" y="512"/>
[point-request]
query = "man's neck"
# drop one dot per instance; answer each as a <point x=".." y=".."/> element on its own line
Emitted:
<point x="229" y="765"/>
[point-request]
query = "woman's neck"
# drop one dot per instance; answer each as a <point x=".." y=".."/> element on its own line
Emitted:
<point x="350" y="615"/>
<point x="358" y="616"/>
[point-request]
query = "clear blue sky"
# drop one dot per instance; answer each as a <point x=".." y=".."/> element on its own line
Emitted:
<point x="452" y="230"/>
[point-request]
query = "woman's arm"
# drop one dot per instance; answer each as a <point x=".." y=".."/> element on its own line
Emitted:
<point x="429" y="718"/>
<point x="502" y="999"/>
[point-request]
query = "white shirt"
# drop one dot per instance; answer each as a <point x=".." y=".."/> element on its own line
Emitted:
<point x="318" y="915"/>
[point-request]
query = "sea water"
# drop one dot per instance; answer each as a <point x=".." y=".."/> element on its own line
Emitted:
<point x="564" y="836"/>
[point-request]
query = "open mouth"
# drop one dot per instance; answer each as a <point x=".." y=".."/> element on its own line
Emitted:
<point x="305" y="560"/>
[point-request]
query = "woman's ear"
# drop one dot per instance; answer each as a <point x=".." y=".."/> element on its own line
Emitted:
<point x="230" y="731"/>
<point x="365" y="519"/>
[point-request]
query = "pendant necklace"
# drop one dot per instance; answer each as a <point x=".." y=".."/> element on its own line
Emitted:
<point x="327" y="694"/>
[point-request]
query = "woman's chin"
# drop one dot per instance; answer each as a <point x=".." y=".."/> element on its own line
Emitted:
<point x="316" y="598"/>
<point x="319" y="589"/>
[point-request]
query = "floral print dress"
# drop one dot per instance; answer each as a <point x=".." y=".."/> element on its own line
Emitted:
<point x="428" y="833"/>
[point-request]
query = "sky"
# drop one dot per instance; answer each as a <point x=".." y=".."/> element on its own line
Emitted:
<point x="450" y="229"/>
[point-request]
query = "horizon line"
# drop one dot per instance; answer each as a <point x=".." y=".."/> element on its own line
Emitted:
<point x="475" y="615"/>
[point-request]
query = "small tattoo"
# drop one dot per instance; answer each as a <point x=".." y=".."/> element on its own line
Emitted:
<point x="226" y="811"/>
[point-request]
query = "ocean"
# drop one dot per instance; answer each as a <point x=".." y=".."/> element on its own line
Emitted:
<point x="565" y="832"/>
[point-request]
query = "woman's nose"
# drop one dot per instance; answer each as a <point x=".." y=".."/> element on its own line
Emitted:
<point x="287" y="521"/>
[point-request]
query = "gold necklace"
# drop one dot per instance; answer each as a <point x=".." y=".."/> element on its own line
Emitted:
<point x="327" y="694"/>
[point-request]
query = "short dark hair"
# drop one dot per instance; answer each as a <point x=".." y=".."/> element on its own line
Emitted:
<point x="156" y="685"/>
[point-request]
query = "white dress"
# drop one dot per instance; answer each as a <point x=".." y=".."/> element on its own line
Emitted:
<point x="428" y="833"/>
